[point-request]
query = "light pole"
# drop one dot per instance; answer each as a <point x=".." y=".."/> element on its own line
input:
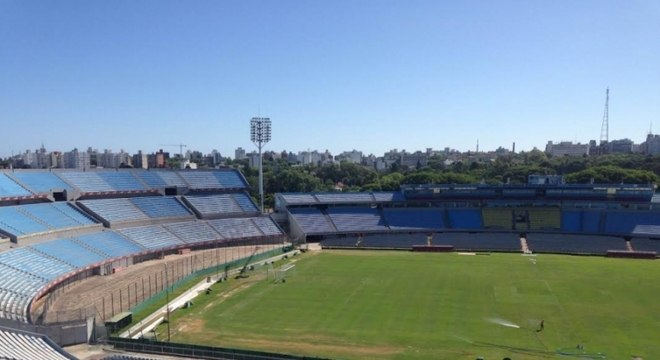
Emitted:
<point x="260" y="135"/>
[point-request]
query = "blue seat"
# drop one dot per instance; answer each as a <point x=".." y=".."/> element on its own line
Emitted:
<point x="86" y="181"/>
<point x="41" y="182"/>
<point x="18" y="223"/>
<point x="109" y="243"/>
<point x="414" y="218"/>
<point x="210" y="205"/>
<point x="32" y="262"/>
<point x="465" y="218"/>
<point x="121" y="180"/>
<point x="356" y="219"/>
<point x="57" y="215"/>
<point x="312" y="220"/>
<point x="193" y="231"/>
<point x="151" y="237"/>
<point x="230" y="179"/>
<point x="9" y="188"/>
<point x="245" y="202"/>
<point x="574" y="244"/>
<point x="200" y="179"/>
<point x="159" y="206"/>
<point x="157" y="179"/>
<point x="236" y="228"/>
<point x="114" y="210"/>
<point x="267" y="226"/>
<point x="69" y="252"/>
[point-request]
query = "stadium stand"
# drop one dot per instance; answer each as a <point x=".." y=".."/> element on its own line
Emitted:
<point x="151" y="237"/>
<point x="193" y="231"/>
<point x="15" y="222"/>
<point x="389" y="197"/>
<point x="204" y="180"/>
<point x="88" y="181"/>
<point x="109" y="244"/>
<point x="267" y="226"/>
<point x="479" y="241"/>
<point x="339" y="242"/>
<point x="16" y="291"/>
<point x="414" y="218"/>
<point x="348" y="197"/>
<point x="574" y="244"/>
<point x="160" y="179"/>
<point x="22" y="345"/>
<point x="289" y="199"/>
<point x="544" y="218"/>
<point x="312" y="220"/>
<point x="35" y="263"/>
<point x="70" y="252"/>
<point x="647" y="230"/>
<point x="299" y="199"/>
<point x="221" y="205"/>
<point x="591" y="221"/>
<point x="41" y="182"/>
<point x="497" y="218"/>
<point x="160" y="207"/>
<point x="230" y="180"/>
<point x="236" y="228"/>
<point x="464" y="218"/>
<point x="620" y="222"/>
<point x="392" y="241"/>
<point x="33" y="219"/>
<point x="57" y="215"/>
<point x="9" y="187"/>
<point x="356" y="219"/>
<point x="245" y="203"/>
<point x="571" y="220"/>
<point x="121" y="180"/>
<point x="113" y="211"/>
<point x="641" y="244"/>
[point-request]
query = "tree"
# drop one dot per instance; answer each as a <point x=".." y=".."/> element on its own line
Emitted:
<point x="293" y="180"/>
<point x="422" y="177"/>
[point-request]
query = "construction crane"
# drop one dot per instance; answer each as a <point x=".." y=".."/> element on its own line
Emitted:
<point x="181" y="146"/>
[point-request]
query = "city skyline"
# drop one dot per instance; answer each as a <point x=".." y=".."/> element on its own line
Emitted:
<point x="369" y="75"/>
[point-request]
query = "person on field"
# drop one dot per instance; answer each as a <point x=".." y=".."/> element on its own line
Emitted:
<point x="541" y="326"/>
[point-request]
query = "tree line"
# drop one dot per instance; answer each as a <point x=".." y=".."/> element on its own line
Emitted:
<point x="280" y="176"/>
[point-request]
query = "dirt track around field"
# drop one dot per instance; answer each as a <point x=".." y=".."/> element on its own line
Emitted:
<point x="106" y="296"/>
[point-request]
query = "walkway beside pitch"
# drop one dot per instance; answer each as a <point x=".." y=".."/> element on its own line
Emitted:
<point x="150" y="322"/>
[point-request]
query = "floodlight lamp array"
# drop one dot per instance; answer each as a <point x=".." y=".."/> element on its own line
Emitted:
<point x="260" y="130"/>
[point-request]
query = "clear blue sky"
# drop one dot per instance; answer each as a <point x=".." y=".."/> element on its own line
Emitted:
<point x="337" y="75"/>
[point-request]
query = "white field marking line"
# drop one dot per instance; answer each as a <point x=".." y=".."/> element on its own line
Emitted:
<point x="503" y="322"/>
<point x="349" y="297"/>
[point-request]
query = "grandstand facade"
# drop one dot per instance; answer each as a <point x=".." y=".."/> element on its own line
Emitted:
<point x="59" y="227"/>
<point x="557" y="218"/>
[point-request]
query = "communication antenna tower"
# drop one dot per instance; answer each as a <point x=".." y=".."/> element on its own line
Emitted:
<point x="605" y="128"/>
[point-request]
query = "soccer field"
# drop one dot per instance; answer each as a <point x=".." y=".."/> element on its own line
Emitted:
<point x="402" y="305"/>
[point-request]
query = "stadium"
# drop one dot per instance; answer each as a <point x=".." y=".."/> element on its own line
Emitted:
<point x="82" y="252"/>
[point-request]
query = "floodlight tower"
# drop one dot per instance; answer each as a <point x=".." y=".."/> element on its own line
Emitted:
<point x="260" y="135"/>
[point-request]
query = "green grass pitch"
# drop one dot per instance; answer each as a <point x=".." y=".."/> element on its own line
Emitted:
<point x="402" y="305"/>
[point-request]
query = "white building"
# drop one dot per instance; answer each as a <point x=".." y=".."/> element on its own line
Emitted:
<point x="239" y="154"/>
<point x="76" y="159"/>
<point x="566" y="148"/>
<point x="352" y="156"/>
